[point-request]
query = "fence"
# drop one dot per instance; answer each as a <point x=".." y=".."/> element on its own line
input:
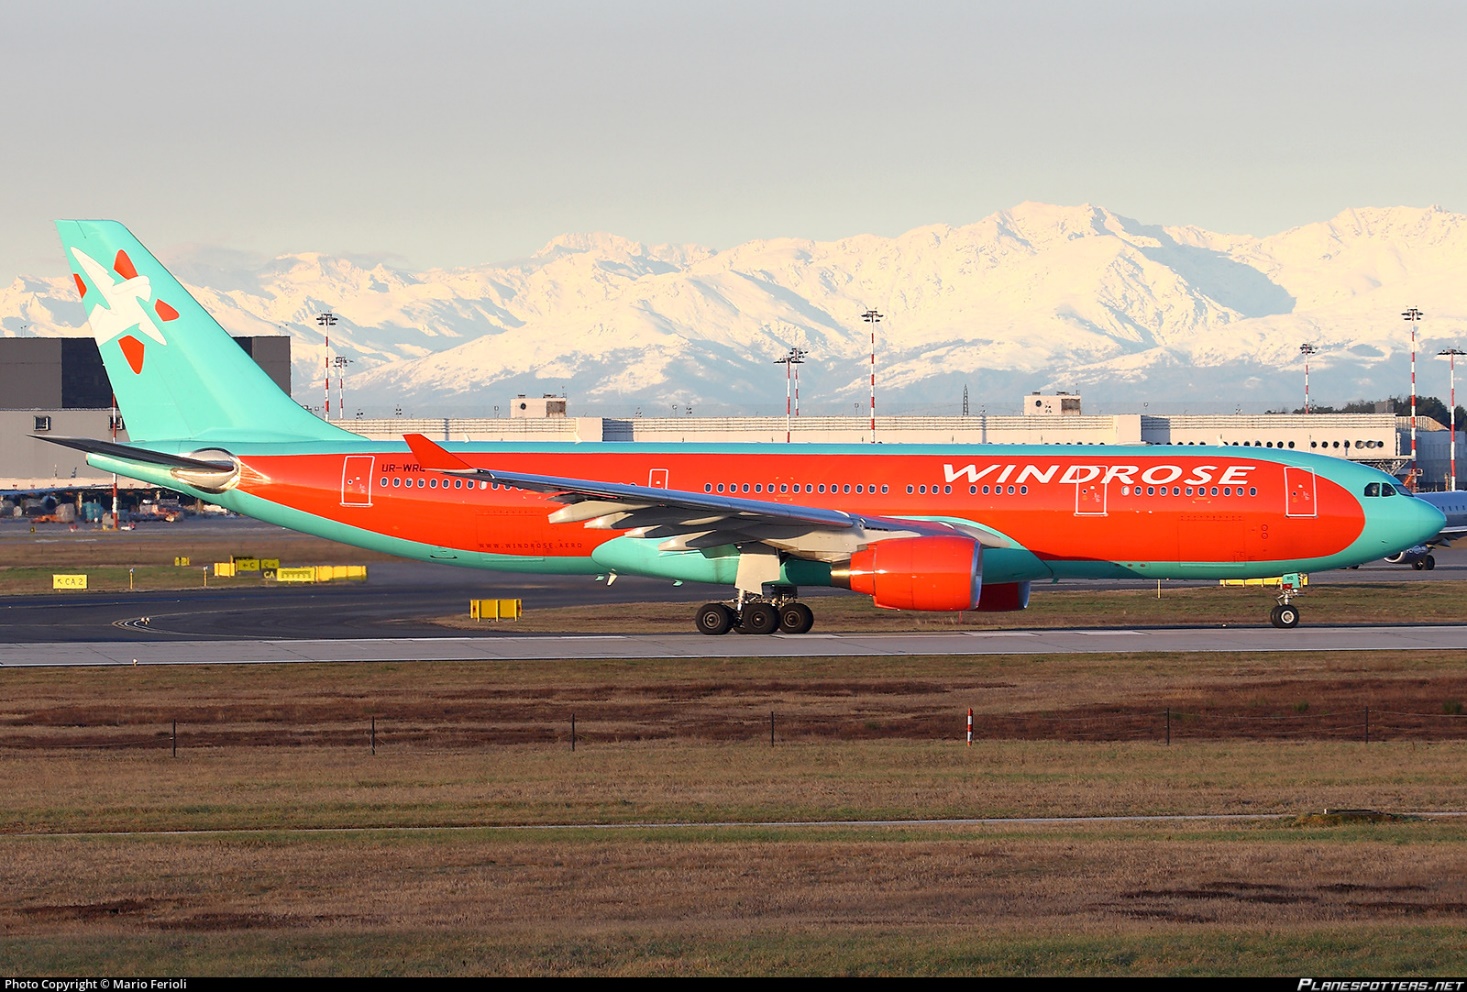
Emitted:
<point x="463" y="731"/>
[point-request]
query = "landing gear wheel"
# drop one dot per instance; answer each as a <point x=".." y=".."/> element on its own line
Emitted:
<point x="1430" y="562"/>
<point x="795" y="618"/>
<point x="758" y="618"/>
<point x="714" y="618"/>
<point x="1285" y="616"/>
<point x="1419" y="564"/>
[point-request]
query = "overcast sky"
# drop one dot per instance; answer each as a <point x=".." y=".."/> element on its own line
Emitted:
<point x="435" y="133"/>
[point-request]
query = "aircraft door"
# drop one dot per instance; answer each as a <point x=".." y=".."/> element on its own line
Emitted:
<point x="1090" y="499"/>
<point x="356" y="480"/>
<point x="1299" y="482"/>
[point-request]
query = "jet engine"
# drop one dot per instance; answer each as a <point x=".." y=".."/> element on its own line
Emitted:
<point x="917" y="573"/>
<point x="1004" y="597"/>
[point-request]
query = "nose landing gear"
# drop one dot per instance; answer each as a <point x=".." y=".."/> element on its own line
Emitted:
<point x="1285" y="615"/>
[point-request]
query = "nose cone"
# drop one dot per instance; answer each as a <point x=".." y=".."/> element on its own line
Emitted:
<point x="1405" y="522"/>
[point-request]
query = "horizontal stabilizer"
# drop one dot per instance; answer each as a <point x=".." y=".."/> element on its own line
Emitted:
<point x="114" y="450"/>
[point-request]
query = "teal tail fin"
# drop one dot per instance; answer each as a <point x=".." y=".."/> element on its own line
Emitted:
<point x="176" y="373"/>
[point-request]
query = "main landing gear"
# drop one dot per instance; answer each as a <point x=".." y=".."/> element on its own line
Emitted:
<point x="788" y="617"/>
<point x="1427" y="563"/>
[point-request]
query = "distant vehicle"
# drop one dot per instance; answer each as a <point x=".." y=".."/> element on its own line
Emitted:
<point x="162" y="509"/>
<point x="938" y="527"/>
<point x="1454" y="507"/>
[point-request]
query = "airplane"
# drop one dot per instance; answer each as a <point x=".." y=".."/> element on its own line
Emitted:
<point x="1453" y="505"/>
<point x="937" y="527"/>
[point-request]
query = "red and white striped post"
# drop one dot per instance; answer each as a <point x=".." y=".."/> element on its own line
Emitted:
<point x="873" y="318"/>
<point x="970" y="726"/>
<point x="1306" y="350"/>
<point x="1451" y="355"/>
<point x="325" y="320"/>
<point x="795" y="357"/>
<point x="1412" y="316"/>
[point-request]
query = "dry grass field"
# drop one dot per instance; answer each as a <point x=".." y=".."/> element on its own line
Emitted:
<point x="674" y="839"/>
<point x="439" y="819"/>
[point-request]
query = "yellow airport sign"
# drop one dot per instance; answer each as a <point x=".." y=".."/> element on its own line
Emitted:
<point x="495" y="609"/>
<point x="68" y="581"/>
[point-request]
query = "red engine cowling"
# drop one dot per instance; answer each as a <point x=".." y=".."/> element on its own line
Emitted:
<point x="917" y="573"/>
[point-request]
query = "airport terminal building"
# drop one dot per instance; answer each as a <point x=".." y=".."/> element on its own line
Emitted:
<point x="58" y="386"/>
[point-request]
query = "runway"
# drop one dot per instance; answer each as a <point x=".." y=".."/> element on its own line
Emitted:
<point x="390" y="618"/>
<point x="511" y="647"/>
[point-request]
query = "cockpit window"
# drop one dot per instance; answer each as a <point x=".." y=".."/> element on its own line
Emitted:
<point x="1386" y="489"/>
<point x="1372" y="489"/>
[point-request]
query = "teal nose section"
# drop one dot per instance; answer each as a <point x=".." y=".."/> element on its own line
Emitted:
<point x="1412" y="522"/>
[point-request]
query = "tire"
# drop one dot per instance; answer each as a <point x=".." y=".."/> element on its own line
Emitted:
<point x="1419" y="564"/>
<point x="1430" y="562"/>
<point x="758" y="618"/>
<point x="795" y="618"/>
<point x="1286" y="617"/>
<point x="713" y="618"/>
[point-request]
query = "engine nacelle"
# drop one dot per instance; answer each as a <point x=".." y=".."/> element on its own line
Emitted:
<point x="917" y="573"/>
<point x="1004" y="597"/>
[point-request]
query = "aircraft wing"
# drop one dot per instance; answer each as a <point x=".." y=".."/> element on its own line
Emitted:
<point x="689" y="520"/>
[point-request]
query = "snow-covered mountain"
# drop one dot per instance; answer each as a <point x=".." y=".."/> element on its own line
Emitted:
<point x="1037" y="297"/>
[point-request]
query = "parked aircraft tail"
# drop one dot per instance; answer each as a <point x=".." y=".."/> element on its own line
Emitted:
<point x="176" y="373"/>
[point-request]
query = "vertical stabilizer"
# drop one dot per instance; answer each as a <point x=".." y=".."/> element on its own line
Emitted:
<point x="176" y="373"/>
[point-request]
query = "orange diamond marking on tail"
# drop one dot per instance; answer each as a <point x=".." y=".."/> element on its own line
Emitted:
<point x="165" y="311"/>
<point x="81" y="287"/>
<point x="123" y="266"/>
<point x="132" y="350"/>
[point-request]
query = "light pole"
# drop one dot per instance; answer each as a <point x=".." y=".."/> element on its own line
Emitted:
<point x="796" y="356"/>
<point x="340" y="362"/>
<point x="873" y="318"/>
<point x="1306" y="350"/>
<point x="1451" y="355"/>
<point x="326" y="320"/>
<point x="1412" y="316"/>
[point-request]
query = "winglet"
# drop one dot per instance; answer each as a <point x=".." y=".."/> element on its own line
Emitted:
<point x="434" y="457"/>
